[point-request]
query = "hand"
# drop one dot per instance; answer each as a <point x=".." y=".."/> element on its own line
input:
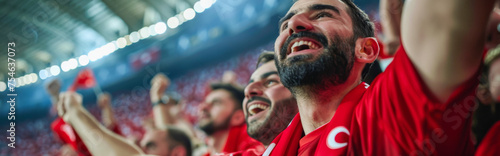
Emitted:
<point x="54" y="87"/>
<point x="104" y="100"/>
<point x="159" y="84"/>
<point x="68" y="102"/>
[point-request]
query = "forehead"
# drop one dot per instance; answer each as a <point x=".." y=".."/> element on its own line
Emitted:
<point x="303" y="5"/>
<point x="263" y="69"/>
<point x="217" y="94"/>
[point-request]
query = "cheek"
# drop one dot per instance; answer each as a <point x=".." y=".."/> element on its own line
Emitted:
<point x="244" y="106"/>
<point x="279" y="42"/>
<point x="279" y="93"/>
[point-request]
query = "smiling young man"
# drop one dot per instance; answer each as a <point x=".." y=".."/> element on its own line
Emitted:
<point x="415" y="107"/>
<point x="222" y="119"/>
<point x="268" y="105"/>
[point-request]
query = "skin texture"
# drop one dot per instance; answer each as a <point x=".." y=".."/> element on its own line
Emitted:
<point x="216" y="111"/>
<point x="155" y="142"/>
<point x="444" y="40"/>
<point x="266" y="88"/>
<point x="390" y="19"/>
<point x="317" y="103"/>
<point x="217" y="115"/>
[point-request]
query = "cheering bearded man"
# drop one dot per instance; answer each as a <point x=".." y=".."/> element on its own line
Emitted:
<point x="222" y="119"/>
<point x="268" y="105"/>
<point x="420" y="105"/>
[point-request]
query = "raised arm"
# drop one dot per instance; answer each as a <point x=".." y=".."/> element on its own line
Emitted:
<point x="390" y="19"/>
<point x="444" y="39"/>
<point x="161" y="108"/>
<point x="98" y="139"/>
<point x="107" y="114"/>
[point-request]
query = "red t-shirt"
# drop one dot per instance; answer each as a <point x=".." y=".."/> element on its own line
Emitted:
<point x="396" y="115"/>
<point x="490" y="146"/>
<point x="239" y="143"/>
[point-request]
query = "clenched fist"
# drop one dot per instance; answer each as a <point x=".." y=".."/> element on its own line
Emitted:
<point x="68" y="102"/>
<point x="104" y="100"/>
<point x="54" y="87"/>
<point x="159" y="84"/>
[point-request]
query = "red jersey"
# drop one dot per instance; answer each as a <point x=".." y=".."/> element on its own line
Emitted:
<point x="396" y="115"/>
<point x="239" y="143"/>
<point x="490" y="146"/>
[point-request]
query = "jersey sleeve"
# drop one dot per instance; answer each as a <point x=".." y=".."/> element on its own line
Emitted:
<point x="398" y="115"/>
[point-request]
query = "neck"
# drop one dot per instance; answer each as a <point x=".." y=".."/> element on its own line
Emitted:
<point x="218" y="140"/>
<point x="317" y="105"/>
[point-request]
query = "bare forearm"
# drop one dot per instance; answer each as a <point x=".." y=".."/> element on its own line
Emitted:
<point x="108" y="117"/>
<point x="444" y="40"/>
<point x="390" y="18"/>
<point x="98" y="139"/>
<point x="162" y="116"/>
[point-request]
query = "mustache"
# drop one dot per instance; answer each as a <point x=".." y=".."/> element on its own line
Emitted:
<point x="258" y="98"/>
<point x="315" y="36"/>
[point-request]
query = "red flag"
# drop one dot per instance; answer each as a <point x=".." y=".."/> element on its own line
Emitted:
<point x="84" y="79"/>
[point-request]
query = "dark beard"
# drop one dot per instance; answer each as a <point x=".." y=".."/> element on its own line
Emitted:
<point x="210" y="128"/>
<point x="331" y="68"/>
<point x="277" y="120"/>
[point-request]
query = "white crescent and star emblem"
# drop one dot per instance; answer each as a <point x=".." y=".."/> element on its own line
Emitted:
<point x="330" y="140"/>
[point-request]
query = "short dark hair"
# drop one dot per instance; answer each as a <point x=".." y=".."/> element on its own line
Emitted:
<point x="237" y="93"/>
<point x="361" y="24"/>
<point x="177" y="137"/>
<point x="265" y="57"/>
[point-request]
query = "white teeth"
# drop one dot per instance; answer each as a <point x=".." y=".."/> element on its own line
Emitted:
<point x="300" y="43"/>
<point x="254" y="109"/>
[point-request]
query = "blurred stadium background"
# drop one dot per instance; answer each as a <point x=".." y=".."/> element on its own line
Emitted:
<point x="126" y="43"/>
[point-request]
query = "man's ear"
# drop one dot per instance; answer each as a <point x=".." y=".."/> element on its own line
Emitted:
<point x="179" y="150"/>
<point x="238" y="118"/>
<point x="367" y="50"/>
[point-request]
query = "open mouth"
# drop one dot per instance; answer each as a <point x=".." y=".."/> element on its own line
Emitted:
<point x="302" y="45"/>
<point x="256" y="108"/>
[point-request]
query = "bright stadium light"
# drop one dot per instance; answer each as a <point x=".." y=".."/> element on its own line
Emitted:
<point x="72" y="63"/>
<point x="144" y="32"/>
<point x="189" y="14"/>
<point x="134" y="37"/>
<point x="43" y="74"/>
<point x="54" y="70"/>
<point x="121" y="42"/>
<point x="206" y="3"/>
<point x="152" y="30"/>
<point x="83" y="60"/>
<point x="198" y="7"/>
<point x="34" y="77"/>
<point x="3" y="86"/>
<point x="65" y="66"/>
<point x="173" y="22"/>
<point x="160" y="28"/>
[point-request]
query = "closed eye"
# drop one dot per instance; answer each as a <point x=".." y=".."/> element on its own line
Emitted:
<point x="271" y="82"/>
<point x="284" y="26"/>
<point x="323" y="14"/>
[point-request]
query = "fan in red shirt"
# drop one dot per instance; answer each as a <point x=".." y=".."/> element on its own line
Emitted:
<point x="268" y="105"/>
<point x="222" y="119"/>
<point x="420" y="105"/>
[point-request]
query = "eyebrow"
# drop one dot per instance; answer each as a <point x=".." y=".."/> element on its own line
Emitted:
<point x="265" y="75"/>
<point x="314" y="7"/>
